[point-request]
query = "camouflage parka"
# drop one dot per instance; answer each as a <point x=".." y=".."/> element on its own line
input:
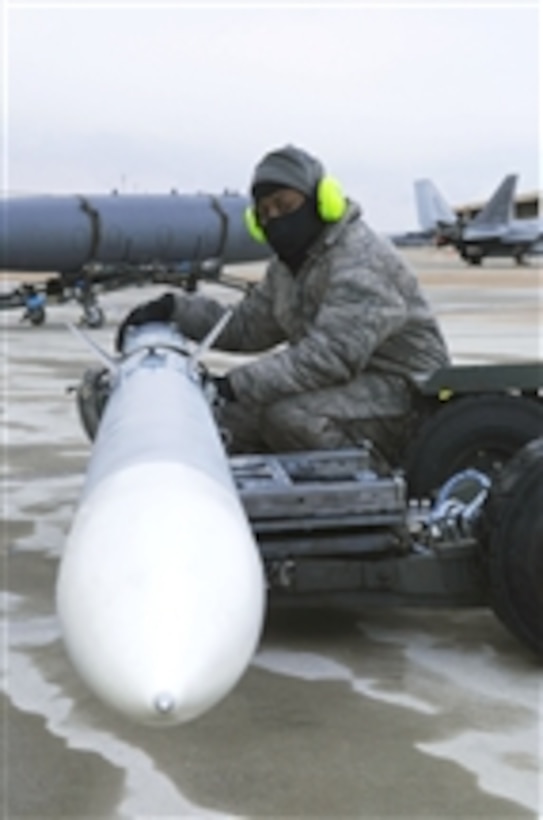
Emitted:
<point x="355" y="307"/>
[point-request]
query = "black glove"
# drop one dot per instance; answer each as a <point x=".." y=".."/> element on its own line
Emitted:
<point x="159" y="310"/>
<point x="224" y="388"/>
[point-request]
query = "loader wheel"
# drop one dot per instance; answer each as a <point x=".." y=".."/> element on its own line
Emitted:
<point x="92" y="395"/>
<point x="482" y="432"/>
<point x="512" y="528"/>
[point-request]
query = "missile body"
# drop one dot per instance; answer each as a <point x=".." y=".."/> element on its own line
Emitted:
<point x="65" y="233"/>
<point x="161" y="590"/>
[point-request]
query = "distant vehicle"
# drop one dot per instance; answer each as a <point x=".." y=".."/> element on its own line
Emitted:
<point x="92" y="243"/>
<point x="492" y="232"/>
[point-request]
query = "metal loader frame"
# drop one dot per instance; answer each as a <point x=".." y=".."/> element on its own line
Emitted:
<point x="335" y="528"/>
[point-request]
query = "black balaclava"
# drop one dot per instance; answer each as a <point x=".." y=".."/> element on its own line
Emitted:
<point x="290" y="235"/>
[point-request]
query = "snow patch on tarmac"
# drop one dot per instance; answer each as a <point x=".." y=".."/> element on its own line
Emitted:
<point x="504" y="758"/>
<point x="311" y="667"/>
<point x="149" y="793"/>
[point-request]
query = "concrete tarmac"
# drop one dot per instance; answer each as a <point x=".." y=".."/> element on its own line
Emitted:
<point x="393" y="713"/>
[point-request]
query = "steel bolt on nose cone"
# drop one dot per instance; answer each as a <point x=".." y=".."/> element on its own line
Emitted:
<point x="164" y="703"/>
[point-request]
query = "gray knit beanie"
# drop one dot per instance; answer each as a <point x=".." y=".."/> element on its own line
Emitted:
<point x="289" y="167"/>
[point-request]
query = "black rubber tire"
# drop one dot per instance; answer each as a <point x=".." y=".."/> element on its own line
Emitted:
<point x="94" y="316"/>
<point x="482" y="432"/>
<point x="512" y="527"/>
<point x="92" y="395"/>
<point x="37" y="316"/>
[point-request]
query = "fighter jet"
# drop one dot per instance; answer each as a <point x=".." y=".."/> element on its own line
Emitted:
<point x="105" y="242"/>
<point x="492" y="232"/>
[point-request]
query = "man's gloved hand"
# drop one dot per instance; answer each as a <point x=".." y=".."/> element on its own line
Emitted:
<point x="159" y="310"/>
<point x="224" y="388"/>
<point x="218" y="389"/>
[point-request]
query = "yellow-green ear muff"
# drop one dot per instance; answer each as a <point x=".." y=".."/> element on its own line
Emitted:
<point x="331" y="201"/>
<point x="251" y="223"/>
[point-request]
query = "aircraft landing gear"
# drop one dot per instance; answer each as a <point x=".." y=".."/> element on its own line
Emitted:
<point x="519" y="257"/>
<point x="472" y="254"/>
<point x="93" y="315"/>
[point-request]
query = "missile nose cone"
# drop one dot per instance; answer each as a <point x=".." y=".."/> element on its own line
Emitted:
<point x="161" y="619"/>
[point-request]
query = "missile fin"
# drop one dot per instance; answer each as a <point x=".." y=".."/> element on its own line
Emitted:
<point x="207" y="342"/>
<point x="104" y="357"/>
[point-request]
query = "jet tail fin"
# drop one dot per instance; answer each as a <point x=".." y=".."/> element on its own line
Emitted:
<point x="432" y="209"/>
<point x="499" y="208"/>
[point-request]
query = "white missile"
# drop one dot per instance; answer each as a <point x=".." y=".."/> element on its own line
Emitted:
<point x="161" y="591"/>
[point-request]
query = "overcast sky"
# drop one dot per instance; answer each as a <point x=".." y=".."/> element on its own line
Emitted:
<point x="151" y="96"/>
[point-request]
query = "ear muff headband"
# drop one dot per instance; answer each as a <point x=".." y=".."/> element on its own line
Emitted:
<point x="331" y="206"/>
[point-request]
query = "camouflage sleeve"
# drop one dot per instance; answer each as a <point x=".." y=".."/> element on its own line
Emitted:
<point x="251" y="328"/>
<point x="360" y="309"/>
